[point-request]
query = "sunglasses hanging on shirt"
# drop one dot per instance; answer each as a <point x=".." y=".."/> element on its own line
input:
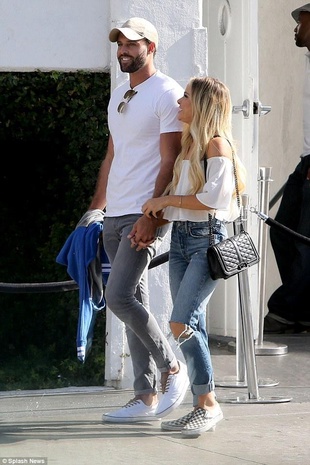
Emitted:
<point x="126" y="99"/>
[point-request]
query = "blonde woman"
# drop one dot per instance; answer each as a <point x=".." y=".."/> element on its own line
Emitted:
<point x="192" y="196"/>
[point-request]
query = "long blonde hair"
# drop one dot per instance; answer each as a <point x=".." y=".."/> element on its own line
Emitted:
<point x="212" y="112"/>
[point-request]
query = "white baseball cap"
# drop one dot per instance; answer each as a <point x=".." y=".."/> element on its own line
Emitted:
<point x="136" y="29"/>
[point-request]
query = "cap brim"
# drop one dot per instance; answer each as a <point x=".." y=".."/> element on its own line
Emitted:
<point x="296" y="12"/>
<point x="129" y="33"/>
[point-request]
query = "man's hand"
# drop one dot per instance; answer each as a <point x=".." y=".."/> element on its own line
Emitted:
<point x="143" y="233"/>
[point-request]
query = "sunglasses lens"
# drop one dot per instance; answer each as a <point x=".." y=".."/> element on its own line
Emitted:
<point x="128" y="96"/>
<point x="121" y="107"/>
<point x="129" y="93"/>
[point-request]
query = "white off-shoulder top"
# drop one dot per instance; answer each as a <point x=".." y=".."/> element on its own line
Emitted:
<point x="216" y="193"/>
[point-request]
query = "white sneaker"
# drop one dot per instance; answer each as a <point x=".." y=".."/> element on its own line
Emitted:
<point x="201" y="421"/>
<point x="134" y="411"/>
<point x="174" y="391"/>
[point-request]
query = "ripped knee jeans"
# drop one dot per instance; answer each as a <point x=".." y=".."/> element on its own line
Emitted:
<point x="191" y="289"/>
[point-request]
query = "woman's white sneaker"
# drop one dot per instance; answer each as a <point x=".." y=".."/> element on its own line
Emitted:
<point x="134" y="411"/>
<point x="174" y="391"/>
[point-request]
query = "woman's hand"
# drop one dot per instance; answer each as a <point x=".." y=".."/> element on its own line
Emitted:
<point x="152" y="206"/>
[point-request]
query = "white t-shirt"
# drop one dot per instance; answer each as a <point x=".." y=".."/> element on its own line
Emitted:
<point x="136" y="135"/>
<point x="216" y="193"/>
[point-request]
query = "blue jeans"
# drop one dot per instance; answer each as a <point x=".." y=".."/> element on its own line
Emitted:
<point x="290" y="300"/>
<point x="191" y="289"/>
<point x="127" y="297"/>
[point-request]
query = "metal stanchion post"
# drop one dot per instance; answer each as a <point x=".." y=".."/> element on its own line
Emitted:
<point x="247" y="329"/>
<point x="237" y="347"/>
<point x="244" y="359"/>
<point x="249" y="350"/>
<point x="263" y="347"/>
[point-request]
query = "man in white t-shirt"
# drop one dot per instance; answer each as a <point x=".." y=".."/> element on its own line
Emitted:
<point x="289" y="310"/>
<point x="144" y="142"/>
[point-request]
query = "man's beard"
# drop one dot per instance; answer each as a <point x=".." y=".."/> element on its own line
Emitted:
<point x="134" y="66"/>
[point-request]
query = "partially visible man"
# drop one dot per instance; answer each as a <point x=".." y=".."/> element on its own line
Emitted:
<point x="144" y="142"/>
<point x="289" y="310"/>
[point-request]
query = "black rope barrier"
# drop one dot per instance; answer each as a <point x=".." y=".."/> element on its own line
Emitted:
<point x="31" y="288"/>
<point x="275" y="224"/>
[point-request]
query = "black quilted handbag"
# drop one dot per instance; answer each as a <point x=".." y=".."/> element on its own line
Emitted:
<point x="234" y="254"/>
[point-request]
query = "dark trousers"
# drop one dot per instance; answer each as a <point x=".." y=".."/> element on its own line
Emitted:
<point x="290" y="300"/>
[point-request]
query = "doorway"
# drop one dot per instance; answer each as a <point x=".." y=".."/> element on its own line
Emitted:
<point x="233" y="58"/>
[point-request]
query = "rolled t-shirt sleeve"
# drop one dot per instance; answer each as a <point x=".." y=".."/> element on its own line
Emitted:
<point x="218" y="189"/>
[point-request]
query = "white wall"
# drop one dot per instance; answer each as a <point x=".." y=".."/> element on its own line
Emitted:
<point x="59" y="34"/>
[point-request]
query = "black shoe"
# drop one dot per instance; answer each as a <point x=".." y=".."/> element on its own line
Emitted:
<point x="272" y="326"/>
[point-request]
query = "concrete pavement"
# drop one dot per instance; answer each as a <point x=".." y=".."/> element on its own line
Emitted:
<point x="64" y="427"/>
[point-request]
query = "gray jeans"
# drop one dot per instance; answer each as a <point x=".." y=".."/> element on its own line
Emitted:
<point x="128" y="298"/>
